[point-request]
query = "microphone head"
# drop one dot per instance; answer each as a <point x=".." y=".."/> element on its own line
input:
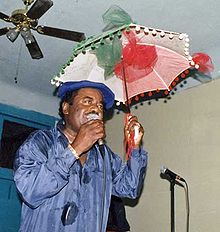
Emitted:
<point x="94" y="116"/>
<point x="163" y="169"/>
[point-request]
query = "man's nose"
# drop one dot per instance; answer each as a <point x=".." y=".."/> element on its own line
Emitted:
<point x="95" y="108"/>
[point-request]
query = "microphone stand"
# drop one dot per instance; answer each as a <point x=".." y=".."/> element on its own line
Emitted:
<point x="172" y="184"/>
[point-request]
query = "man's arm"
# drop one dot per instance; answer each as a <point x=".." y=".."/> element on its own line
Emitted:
<point x="40" y="172"/>
<point x="128" y="178"/>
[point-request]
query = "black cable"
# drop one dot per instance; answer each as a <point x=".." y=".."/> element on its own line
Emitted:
<point x="187" y="206"/>
<point x="102" y="152"/>
<point x="186" y="189"/>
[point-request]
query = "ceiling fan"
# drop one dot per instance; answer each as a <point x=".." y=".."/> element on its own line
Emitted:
<point x="24" y="20"/>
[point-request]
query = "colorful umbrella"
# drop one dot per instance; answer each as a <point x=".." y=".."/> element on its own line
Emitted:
<point x="134" y="61"/>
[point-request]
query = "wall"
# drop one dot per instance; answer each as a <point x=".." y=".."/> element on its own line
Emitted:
<point x="15" y="95"/>
<point x="183" y="135"/>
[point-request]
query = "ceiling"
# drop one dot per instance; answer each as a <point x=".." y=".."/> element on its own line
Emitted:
<point x="198" y="19"/>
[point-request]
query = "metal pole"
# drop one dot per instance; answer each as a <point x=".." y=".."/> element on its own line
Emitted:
<point x="172" y="184"/>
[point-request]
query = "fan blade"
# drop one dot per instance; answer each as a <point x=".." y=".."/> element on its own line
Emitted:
<point x="39" y="8"/>
<point x="31" y="44"/>
<point x="3" y="16"/>
<point x="61" y="33"/>
<point x="3" y="31"/>
<point x="34" y="50"/>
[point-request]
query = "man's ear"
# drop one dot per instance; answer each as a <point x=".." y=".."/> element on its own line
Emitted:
<point x="65" y="108"/>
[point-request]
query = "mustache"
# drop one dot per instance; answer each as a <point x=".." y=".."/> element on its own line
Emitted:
<point x="93" y="116"/>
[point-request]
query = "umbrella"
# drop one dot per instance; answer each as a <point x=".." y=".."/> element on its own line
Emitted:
<point x="136" y="62"/>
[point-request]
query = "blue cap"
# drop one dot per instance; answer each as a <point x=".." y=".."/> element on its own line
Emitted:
<point x="70" y="86"/>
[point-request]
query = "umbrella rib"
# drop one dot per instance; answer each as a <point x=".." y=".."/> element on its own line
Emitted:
<point x="161" y="78"/>
<point x="126" y="89"/>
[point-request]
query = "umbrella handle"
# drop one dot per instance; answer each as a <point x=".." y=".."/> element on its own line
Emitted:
<point x="128" y="142"/>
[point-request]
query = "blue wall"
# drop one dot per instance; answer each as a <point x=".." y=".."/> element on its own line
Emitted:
<point x="9" y="202"/>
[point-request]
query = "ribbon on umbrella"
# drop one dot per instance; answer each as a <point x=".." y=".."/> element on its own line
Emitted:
<point x="108" y="55"/>
<point x="115" y="17"/>
<point x="138" y="60"/>
<point x="204" y="61"/>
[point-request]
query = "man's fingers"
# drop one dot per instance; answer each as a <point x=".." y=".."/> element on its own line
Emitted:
<point x="94" y="129"/>
<point x="92" y="124"/>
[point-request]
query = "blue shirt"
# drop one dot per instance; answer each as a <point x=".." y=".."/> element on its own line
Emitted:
<point x="49" y="179"/>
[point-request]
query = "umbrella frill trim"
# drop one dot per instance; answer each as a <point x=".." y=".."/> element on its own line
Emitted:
<point x="157" y="94"/>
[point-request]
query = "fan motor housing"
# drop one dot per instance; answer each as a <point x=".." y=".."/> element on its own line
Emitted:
<point x="19" y="17"/>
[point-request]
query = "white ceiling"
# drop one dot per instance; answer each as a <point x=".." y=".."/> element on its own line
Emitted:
<point x="198" y="19"/>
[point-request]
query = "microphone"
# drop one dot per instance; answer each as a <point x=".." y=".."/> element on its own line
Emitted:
<point x="171" y="174"/>
<point x="94" y="116"/>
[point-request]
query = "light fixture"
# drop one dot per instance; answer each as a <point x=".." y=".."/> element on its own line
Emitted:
<point x="31" y="43"/>
<point x="27" y="36"/>
<point x="12" y="34"/>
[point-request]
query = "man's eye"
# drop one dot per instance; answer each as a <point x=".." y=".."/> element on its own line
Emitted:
<point x="87" y="101"/>
<point x="100" y="107"/>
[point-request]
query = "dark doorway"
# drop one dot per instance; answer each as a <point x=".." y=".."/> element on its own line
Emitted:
<point x="13" y="135"/>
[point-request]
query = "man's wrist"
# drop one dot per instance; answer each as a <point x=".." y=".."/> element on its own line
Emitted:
<point x="137" y="146"/>
<point x="74" y="152"/>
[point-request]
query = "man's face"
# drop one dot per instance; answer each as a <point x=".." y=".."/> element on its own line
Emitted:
<point x="87" y="100"/>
